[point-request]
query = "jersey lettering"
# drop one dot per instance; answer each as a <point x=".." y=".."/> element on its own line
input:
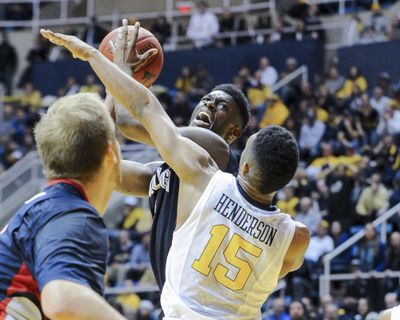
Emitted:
<point x="159" y="180"/>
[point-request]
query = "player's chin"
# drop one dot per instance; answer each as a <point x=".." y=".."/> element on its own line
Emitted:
<point x="200" y="124"/>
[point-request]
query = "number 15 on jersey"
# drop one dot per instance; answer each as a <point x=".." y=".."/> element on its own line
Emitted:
<point x="236" y="243"/>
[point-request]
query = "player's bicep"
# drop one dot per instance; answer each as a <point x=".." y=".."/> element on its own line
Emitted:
<point x="184" y="156"/>
<point x="71" y="247"/>
<point x="215" y="145"/>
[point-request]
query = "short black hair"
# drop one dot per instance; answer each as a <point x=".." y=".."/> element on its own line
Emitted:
<point x="240" y="100"/>
<point x="276" y="157"/>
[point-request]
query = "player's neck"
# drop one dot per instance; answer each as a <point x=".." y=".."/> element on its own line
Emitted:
<point x="98" y="193"/>
<point x="253" y="193"/>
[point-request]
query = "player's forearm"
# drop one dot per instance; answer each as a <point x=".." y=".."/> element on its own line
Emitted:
<point x="131" y="128"/>
<point x="65" y="300"/>
<point x="135" y="179"/>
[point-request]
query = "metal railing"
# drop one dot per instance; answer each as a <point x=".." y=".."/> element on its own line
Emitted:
<point x="170" y="12"/>
<point x="301" y="71"/>
<point x="326" y="278"/>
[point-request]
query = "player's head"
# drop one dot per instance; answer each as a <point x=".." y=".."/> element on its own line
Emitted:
<point x="76" y="139"/>
<point x="270" y="159"/>
<point x="225" y="111"/>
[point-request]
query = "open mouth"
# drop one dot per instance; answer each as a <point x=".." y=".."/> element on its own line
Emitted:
<point x="203" y="119"/>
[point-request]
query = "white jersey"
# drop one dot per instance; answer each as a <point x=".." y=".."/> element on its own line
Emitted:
<point x="226" y="258"/>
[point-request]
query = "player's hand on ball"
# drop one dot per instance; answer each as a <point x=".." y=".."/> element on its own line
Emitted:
<point x="124" y="50"/>
<point x="77" y="47"/>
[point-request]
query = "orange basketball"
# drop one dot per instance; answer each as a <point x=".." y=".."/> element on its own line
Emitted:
<point x="145" y="41"/>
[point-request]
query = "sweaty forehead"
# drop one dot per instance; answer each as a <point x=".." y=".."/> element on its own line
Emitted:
<point x="220" y="95"/>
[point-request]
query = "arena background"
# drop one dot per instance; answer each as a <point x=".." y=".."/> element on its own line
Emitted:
<point x="331" y="76"/>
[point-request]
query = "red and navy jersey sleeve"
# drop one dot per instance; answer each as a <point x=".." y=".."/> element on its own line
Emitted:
<point x="73" y="247"/>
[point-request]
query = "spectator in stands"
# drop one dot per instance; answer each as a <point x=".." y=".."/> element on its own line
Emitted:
<point x="145" y="311"/>
<point x="71" y="86"/>
<point x="387" y="157"/>
<point x="371" y="252"/>
<point x="203" y="26"/>
<point x="246" y="78"/>
<point x="9" y="63"/>
<point x="38" y="53"/>
<point x="131" y="214"/>
<point x="31" y="97"/>
<point x="334" y="81"/>
<point x="393" y="252"/>
<point x="93" y="32"/>
<point x="288" y="201"/>
<point x="308" y="214"/>
<point x="389" y="122"/>
<point x="203" y="84"/>
<point x="384" y="81"/>
<point x="362" y="309"/>
<point x="161" y="29"/>
<point x="90" y="85"/>
<point x="297" y="311"/>
<point x="227" y="23"/>
<point x="301" y="33"/>
<point x="299" y="10"/>
<point x="393" y="29"/>
<point x="355" y="78"/>
<point x="378" y="101"/>
<point x="312" y="20"/>
<point x="340" y="263"/>
<point x="186" y="80"/>
<point x="367" y="122"/>
<point x="274" y="112"/>
<point x="378" y="20"/>
<point x="340" y="185"/>
<point x="180" y="110"/>
<point x="354" y="30"/>
<point x="331" y="312"/>
<point x="268" y="73"/>
<point x="257" y="93"/>
<point x="391" y="300"/>
<point x="277" y="33"/>
<point x="348" y="134"/>
<point x="120" y="256"/>
<point x="278" y="310"/>
<point x="139" y="260"/>
<point x="373" y="200"/>
<point x="320" y="244"/>
<point x="311" y="132"/>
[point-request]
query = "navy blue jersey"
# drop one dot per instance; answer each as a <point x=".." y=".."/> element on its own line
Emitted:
<point x="163" y="193"/>
<point x="56" y="235"/>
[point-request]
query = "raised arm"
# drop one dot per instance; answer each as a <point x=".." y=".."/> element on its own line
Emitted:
<point x="185" y="157"/>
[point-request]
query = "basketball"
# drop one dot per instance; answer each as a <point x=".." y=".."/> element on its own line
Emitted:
<point x="148" y="73"/>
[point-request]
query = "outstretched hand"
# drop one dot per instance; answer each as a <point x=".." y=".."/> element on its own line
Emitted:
<point x="77" y="47"/>
<point x="124" y="50"/>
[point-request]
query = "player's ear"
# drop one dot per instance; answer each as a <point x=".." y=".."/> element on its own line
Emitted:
<point x="234" y="132"/>
<point x="112" y="153"/>
<point x="245" y="168"/>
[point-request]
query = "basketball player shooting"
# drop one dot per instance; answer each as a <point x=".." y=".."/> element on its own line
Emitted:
<point x="230" y="246"/>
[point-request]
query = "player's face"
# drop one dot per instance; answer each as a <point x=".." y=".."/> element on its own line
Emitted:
<point x="218" y="112"/>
